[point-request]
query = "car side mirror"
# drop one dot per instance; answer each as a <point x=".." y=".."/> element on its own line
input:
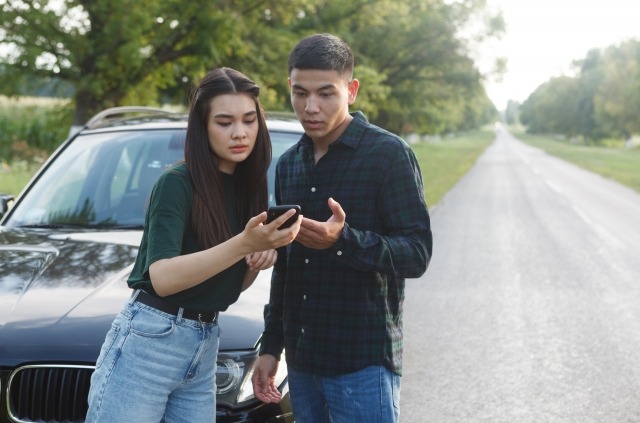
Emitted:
<point x="6" y="201"/>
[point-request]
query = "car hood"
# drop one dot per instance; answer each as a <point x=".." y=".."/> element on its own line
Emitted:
<point x="59" y="293"/>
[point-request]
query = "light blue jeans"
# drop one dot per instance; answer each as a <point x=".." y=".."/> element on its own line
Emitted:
<point x="371" y="395"/>
<point x="155" y="367"/>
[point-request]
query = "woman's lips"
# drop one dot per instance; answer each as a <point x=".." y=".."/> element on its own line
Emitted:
<point x="238" y="149"/>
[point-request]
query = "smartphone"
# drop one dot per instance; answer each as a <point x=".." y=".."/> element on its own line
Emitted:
<point x="277" y="211"/>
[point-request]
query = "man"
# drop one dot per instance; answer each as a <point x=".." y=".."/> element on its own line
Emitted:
<point x="337" y="293"/>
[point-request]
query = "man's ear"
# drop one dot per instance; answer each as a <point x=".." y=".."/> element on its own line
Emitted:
<point x="354" y="84"/>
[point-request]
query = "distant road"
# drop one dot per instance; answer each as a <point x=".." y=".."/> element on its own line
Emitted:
<point x="530" y="310"/>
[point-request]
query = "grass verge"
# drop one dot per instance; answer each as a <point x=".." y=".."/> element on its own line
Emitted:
<point x="618" y="163"/>
<point x="15" y="176"/>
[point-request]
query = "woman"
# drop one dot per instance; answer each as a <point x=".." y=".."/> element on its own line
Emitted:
<point x="158" y="360"/>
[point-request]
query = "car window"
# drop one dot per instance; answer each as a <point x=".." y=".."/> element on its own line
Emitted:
<point x="280" y="142"/>
<point x="104" y="180"/>
<point x="100" y="180"/>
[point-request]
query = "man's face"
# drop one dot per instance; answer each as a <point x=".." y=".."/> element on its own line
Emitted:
<point x="321" y="100"/>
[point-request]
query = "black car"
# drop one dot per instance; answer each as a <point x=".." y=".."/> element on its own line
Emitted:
<point x="67" y="246"/>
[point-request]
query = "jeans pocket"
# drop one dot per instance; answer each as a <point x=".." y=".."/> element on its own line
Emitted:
<point x="150" y="324"/>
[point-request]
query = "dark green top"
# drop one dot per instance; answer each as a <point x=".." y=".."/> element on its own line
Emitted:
<point x="168" y="233"/>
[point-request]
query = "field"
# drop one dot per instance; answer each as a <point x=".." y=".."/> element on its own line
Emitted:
<point x="618" y="163"/>
<point x="14" y="176"/>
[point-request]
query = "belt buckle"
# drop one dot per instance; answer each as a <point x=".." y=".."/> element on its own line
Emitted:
<point x="200" y="318"/>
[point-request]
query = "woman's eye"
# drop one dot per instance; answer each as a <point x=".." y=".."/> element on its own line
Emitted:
<point x="224" y="123"/>
<point x="249" y="122"/>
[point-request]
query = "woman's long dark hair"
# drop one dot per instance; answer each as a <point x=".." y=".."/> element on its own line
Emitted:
<point x="208" y="216"/>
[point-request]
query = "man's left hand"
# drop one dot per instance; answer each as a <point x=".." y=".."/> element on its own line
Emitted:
<point x="322" y="235"/>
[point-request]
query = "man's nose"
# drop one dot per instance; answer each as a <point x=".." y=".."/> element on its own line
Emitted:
<point x="311" y="105"/>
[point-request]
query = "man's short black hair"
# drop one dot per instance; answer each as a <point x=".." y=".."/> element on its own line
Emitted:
<point x="322" y="52"/>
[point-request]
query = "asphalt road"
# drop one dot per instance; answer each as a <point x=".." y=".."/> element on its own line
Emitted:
<point x="530" y="310"/>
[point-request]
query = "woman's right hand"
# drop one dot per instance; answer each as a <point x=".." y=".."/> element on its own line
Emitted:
<point x="192" y="269"/>
<point x="260" y="236"/>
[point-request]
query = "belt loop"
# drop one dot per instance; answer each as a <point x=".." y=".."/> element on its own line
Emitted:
<point x="134" y="295"/>
<point x="179" y="315"/>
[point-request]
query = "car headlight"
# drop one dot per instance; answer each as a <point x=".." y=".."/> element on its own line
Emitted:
<point x="233" y="377"/>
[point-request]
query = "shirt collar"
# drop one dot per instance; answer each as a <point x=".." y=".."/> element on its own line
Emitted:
<point x="350" y="137"/>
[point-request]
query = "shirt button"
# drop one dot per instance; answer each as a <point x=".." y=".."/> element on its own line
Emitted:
<point x="302" y="330"/>
<point x="339" y="253"/>
<point x="304" y="297"/>
<point x="313" y="189"/>
<point x="306" y="261"/>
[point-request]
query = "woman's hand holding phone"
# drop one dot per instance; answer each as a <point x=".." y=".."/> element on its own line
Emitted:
<point x="260" y="235"/>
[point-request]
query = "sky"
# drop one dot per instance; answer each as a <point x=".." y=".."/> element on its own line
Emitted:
<point x="543" y="37"/>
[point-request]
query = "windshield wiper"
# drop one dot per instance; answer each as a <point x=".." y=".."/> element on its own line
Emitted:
<point x="51" y="226"/>
<point x="132" y="226"/>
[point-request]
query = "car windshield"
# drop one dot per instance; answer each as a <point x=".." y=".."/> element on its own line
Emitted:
<point x="100" y="180"/>
<point x="103" y="180"/>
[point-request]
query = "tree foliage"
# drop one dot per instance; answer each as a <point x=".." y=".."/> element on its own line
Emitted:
<point x="414" y="66"/>
<point x="601" y="101"/>
<point x="617" y="99"/>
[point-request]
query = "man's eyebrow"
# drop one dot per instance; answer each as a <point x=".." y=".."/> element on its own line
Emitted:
<point x="228" y="116"/>
<point x="322" y="87"/>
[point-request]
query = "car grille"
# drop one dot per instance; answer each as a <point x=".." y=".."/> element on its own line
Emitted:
<point x="49" y="393"/>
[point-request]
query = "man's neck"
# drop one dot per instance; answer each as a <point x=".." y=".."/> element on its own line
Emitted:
<point x="321" y="146"/>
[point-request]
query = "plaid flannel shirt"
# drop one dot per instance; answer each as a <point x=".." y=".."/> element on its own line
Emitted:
<point x="339" y="310"/>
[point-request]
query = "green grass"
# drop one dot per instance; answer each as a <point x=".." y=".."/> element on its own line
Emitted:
<point x="618" y="163"/>
<point x="445" y="162"/>
<point x="14" y="177"/>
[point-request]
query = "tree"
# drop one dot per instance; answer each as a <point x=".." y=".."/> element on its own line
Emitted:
<point x="553" y="108"/>
<point x="617" y="100"/>
<point x="512" y="113"/>
<point x="412" y="52"/>
<point x="414" y="66"/>
<point x="117" y="51"/>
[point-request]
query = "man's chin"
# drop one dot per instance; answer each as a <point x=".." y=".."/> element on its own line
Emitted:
<point x="314" y="132"/>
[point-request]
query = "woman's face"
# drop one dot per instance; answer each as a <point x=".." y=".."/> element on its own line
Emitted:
<point x="232" y="126"/>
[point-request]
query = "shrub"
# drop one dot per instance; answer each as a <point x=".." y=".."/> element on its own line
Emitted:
<point x="32" y="127"/>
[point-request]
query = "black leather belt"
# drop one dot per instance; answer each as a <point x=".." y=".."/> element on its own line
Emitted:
<point x="170" y="308"/>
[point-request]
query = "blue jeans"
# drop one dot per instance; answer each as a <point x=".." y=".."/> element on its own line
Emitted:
<point x="371" y="395"/>
<point x="155" y="367"/>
